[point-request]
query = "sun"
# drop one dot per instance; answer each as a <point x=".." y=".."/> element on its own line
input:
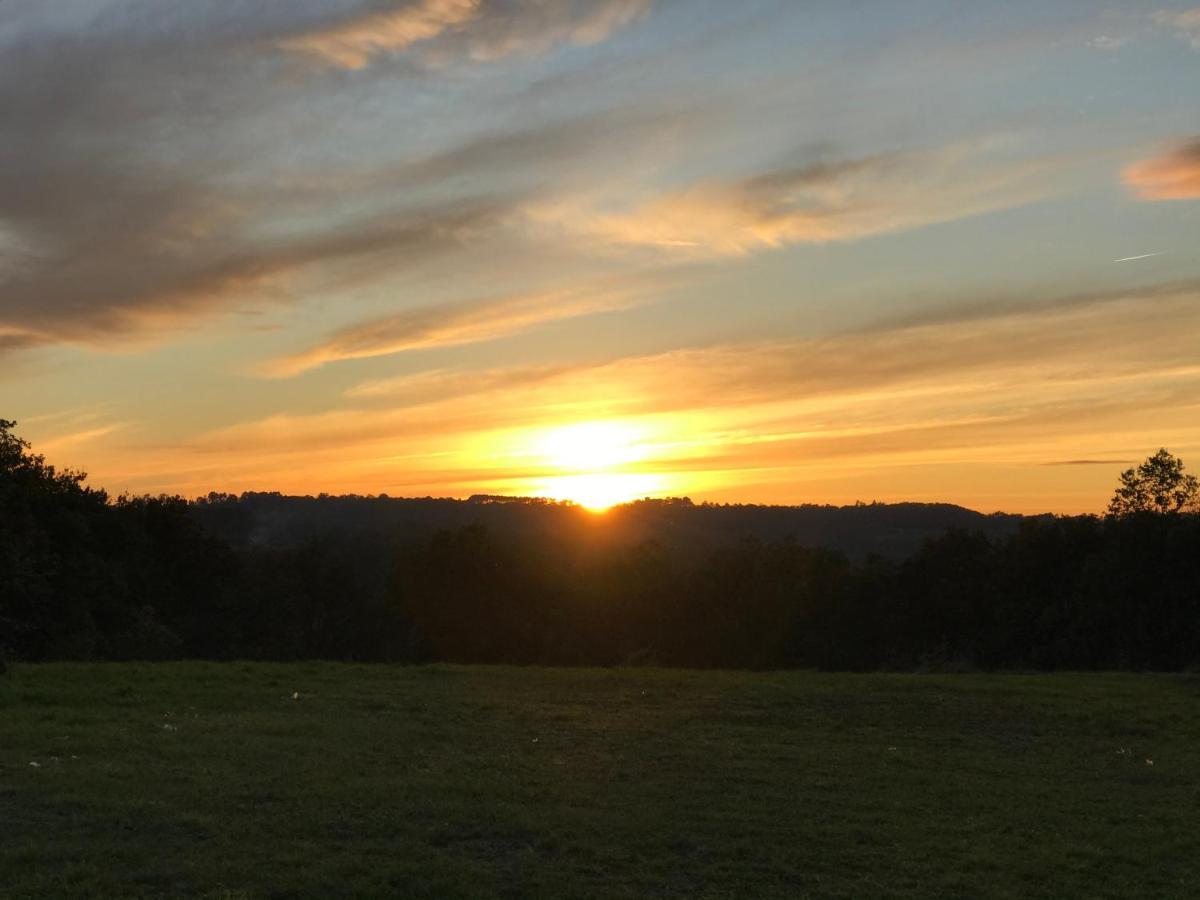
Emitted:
<point x="602" y="490"/>
<point x="590" y="457"/>
<point x="590" y="446"/>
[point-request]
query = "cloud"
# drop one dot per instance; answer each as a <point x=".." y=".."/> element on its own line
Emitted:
<point x="1071" y="339"/>
<point x="154" y="177"/>
<point x="1018" y="357"/>
<point x="1017" y="389"/>
<point x="450" y="30"/>
<point x="154" y="174"/>
<point x="118" y="214"/>
<point x="1090" y="462"/>
<point x="171" y="256"/>
<point x="820" y="202"/>
<point x="13" y="340"/>
<point x="447" y="326"/>
<point x="535" y="27"/>
<point x="1186" y="23"/>
<point x="437" y="385"/>
<point x="351" y="44"/>
<point x="1172" y="175"/>
<point x="71" y="439"/>
<point x="555" y="150"/>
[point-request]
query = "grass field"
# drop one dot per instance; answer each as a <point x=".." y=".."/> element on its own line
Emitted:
<point x="325" y="780"/>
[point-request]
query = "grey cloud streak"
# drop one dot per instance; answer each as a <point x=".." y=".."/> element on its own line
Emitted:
<point x="126" y="205"/>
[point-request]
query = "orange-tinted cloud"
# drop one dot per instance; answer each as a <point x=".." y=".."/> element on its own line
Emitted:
<point x="1063" y="344"/>
<point x="351" y="44"/>
<point x="448" y="326"/>
<point x="1088" y="377"/>
<point x="455" y="29"/>
<point x="819" y="202"/>
<point x="69" y="440"/>
<point x="1173" y="175"/>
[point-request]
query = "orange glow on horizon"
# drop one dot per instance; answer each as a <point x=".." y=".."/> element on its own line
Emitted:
<point x="589" y="461"/>
<point x="600" y="491"/>
<point x="591" y="446"/>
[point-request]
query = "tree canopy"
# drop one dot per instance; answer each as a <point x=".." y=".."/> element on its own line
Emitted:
<point x="85" y="576"/>
<point x="1158" y="485"/>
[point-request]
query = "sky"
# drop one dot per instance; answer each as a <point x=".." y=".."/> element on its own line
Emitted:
<point x="770" y="251"/>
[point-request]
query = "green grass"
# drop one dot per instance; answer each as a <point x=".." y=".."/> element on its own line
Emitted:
<point x="211" y="780"/>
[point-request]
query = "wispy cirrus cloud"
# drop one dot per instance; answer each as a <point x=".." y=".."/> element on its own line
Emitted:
<point x="534" y="27"/>
<point x="1091" y="462"/>
<point x="452" y="325"/>
<point x="997" y="361"/>
<point x="819" y="202"/>
<point x="447" y="30"/>
<point x="71" y="439"/>
<point x="1008" y="347"/>
<point x="350" y="44"/>
<point x="437" y="385"/>
<point x="1172" y="175"/>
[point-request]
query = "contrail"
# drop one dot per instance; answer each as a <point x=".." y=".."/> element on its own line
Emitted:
<point x="1142" y="256"/>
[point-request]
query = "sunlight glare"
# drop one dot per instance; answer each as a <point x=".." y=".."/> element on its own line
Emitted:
<point x="600" y="490"/>
<point x="590" y="446"/>
<point x="591" y="457"/>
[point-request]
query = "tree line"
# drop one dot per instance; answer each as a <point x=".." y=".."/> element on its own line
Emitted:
<point x="88" y="576"/>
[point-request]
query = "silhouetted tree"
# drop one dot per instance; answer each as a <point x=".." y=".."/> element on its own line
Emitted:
<point x="659" y="582"/>
<point x="53" y="578"/>
<point x="1158" y="485"/>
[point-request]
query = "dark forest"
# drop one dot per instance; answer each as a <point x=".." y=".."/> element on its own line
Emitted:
<point x="661" y="582"/>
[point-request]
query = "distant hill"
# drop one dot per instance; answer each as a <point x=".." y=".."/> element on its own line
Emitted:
<point x="887" y="529"/>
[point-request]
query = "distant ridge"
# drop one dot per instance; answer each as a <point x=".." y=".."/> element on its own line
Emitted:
<point x="887" y="529"/>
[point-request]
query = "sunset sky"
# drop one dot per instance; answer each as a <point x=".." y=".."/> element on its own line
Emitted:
<point x="770" y="252"/>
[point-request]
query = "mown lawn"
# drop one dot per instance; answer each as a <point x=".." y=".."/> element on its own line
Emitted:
<point x="326" y="780"/>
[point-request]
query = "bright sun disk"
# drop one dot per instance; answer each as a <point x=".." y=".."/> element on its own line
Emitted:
<point x="601" y="490"/>
<point x="590" y="456"/>
<point x="590" y="446"/>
